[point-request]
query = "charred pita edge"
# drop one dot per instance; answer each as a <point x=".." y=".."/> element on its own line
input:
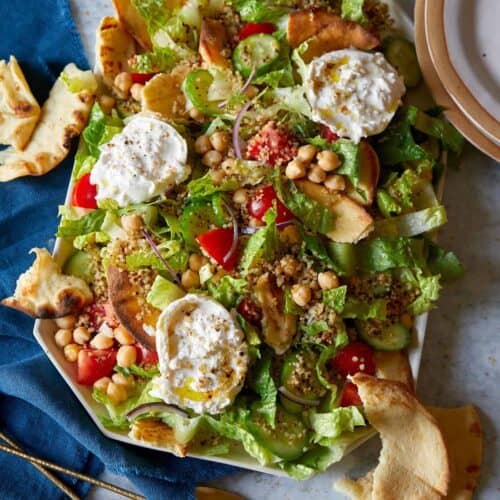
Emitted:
<point x="213" y="39"/>
<point x="133" y="22"/>
<point x="305" y="23"/>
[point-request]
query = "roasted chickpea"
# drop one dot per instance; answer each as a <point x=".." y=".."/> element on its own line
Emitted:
<point x="107" y="103"/>
<point x="63" y="337"/>
<point x="126" y="356"/>
<point x="102" y="384"/>
<point x="202" y="145"/>
<point x="316" y="174"/>
<point x="240" y="196"/>
<point x="71" y="352"/>
<point x="131" y="223"/>
<point x="196" y="115"/>
<point x="123" y="82"/>
<point x="120" y="379"/>
<point x="289" y="265"/>
<point x="190" y="279"/>
<point x="197" y="261"/>
<point x="290" y="234"/>
<point x="335" y="182"/>
<point x="66" y="322"/>
<point x="136" y="91"/>
<point x="295" y="170"/>
<point x="123" y="336"/>
<point x="328" y="160"/>
<point x="220" y="141"/>
<point x="306" y="153"/>
<point x="81" y="335"/>
<point x="301" y="294"/>
<point x="116" y="393"/>
<point x="328" y="280"/>
<point x="101" y="341"/>
<point x="212" y="159"/>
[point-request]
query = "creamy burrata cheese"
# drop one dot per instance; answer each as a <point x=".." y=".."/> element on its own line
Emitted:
<point x="147" y="158"/>
<point x="202" y="355"/>
<point x="355" y="93"/>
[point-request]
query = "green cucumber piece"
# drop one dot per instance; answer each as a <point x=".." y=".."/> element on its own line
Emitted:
<point x="196" y="86"/>
<point x="401" y="54"/>
<point x="287" y="440"/>
<point x="344" y="255"/>
<point x="257" y="51"/>
<point x="80" y="264"/>
<point x="392" y="337"/>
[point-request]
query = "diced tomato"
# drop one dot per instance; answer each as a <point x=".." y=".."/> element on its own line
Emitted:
<point x="142" y="78"/>
<point x="273" y="145"/>
<point x="328" y="134"/>
<point x="94" y="364"/>
<point x="145" y="356"/>
<point x="250" y="311"/>
<point x="109" y="315"/>
<point x="265" y="198"/>
<point x="96" y="313"/>
<point x="84" y="193"/>
<point x="250" y="29"/>
<point x="354" y="358"/>
<point x="350" y="395"/>
<point x="217" y="243"/>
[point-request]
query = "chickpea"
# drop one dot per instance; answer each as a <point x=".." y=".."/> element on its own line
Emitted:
<point x="120" y="379"/>
<point x="136" y="91"/>
<point x="217" y="176"/>
<point x="290" y="234"/>
<point x="71" y="352"/>
<point x="63" y="337"/>
<point x="107" y="103"/>
<point x="289" y="265"/>
<point x="197" y="261"/>
<point x="335" y="182"/>
<point x="81" y="335"/>
<point x="126" y="356"/>
<point x="306" y="153"/>
<point x="316" y="174"/>
<point x="220" y="141"/>
<point x="101" y="341"/>
<point x="212" y="159"/>
<point x="251" y="91"/>
<point x="228" y="165"/>
<point x="102" y="384"/>
<point x="301" y="294"/>
<point x="240" y="196"/>
<point x="123" y="336"/>
<point x="202" y="145"/>
<point x="407" y="320"/>
<point x="190" y="279"/>
<point x="196" y="115"/>
<point x="116" y="393"/>
<point x="253" y="222"/>
<point x="328" y="160"/>
<point x="123" y="82"/>
<point x="131" y="223"/>
<point x="66" y="322"/>
<point x="328" y="280"/>
<point x="295" y="170"/>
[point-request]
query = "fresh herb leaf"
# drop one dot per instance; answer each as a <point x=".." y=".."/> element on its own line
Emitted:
<point x="335" y="298"/>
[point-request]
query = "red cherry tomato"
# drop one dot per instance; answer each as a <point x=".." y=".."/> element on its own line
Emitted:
<point x="250" y="311"/>
<point x="145" y="356"/>
<point x="84" y="193"/>
<point x="350" y="395"/>
<point x="328" y="134"/>
<point x="142" y="78"/>
<point x="354" y="358"/>
<point x="217" y="243"/>
<point x="94" y="364"/>
<point x="250" y="29"/>
<point x="262" y="200"/>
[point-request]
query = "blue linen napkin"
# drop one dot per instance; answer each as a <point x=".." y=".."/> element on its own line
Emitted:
<point x="37" y="408"/>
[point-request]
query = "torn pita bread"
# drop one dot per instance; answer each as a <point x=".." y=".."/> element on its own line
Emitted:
<point x="129" y="304"/>
<point x="19" y="110"/>
<point x="462" y="433"/>
<point x="154" y="432"/>
<point x="44" y="292"/>
<point x="305" y="23"/>
<point x="133" y="22"/>
<point x="357" y="489"/>
<point x="63" y="117"/>
<point x="213" y="39"/>
<point x="114" y="47"/>
<point x="394" y="365"/>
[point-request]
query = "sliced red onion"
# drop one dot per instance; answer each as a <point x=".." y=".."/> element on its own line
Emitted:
<point x="155" y="407"/>
<point x="297" y="399"/>
<point x="234" y="244"/>
<point x="281" y="225"/>
<point x="236" y="130"/>
<point x="156" y="251"/>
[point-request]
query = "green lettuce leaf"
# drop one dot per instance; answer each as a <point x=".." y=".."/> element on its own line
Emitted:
<point x="360" y="309"/>
<point x="158" y="60"/>
<point x="444" y="263"/>
<point x="265" y="387"/>
<point x="227" y="290"/>
<point x="387" y="205"/>
<point x="257" y="11"/>
<point x="100" y="129"/>
<point x="335" y="298"/>
<point x="289" y="305"/>
<point x="382" y="254"/>
<point x="205" y="186"/>
<point x="138" y="370"/>
<point x="336" y="422"/>
<point x="89" y="223"/>
<point x="429" y="287"/>
<point x="353" y="10"/>
<point x="163" y="292"/>
<point x="315" y="327"/>
<point x="317" y="247"/>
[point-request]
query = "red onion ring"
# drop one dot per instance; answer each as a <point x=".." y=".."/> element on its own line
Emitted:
<point x="297" y="399"/>
<point x="236" y="130"/>
<point x="234" y="244"/>
<point x="156" y="251"/>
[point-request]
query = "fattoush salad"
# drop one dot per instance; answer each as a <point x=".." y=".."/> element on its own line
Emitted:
<point x="251" y="222"/>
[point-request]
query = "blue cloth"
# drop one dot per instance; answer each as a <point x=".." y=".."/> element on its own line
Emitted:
<point x="37" y="409"/>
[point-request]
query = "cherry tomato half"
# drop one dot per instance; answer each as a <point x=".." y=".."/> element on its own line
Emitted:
<point x="217" y="243"/>
<point x="94" y="364"/>
<point x="350" y="395"/>
<point x="354" y="358"/>
<point x="142" y="78"/>
<point x="84" y="193"/>
<point x="262" y="200"/>
<point x="250" y="29"/>
<point x="328" y="134"/>
<point x="145" y="356"/>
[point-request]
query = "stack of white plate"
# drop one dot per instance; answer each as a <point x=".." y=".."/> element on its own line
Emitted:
<point x="458" y="46"/>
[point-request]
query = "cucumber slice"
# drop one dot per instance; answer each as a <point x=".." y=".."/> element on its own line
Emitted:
<point x="392" y="337"/>
<point x="80" y="264"/>
<point x="287" y="440"/>
<point x="259" y="51"/>
<point x="344" y="256"/>
<point x="401" y="54"/>
<point x="196" y="87"/>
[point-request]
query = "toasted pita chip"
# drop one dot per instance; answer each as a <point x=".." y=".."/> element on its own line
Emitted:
<point x="339" y="34"/>
<point x="414" y="455"/>
<point x="133" y="22"/>
<point x="305" y="23"/>
<point x="64" y="115"/>
<point x="357" y="489"/>
<point x="153" y="431"/>
<point x="44" y="292"/>
<point x="213" y="39"/>
<point x="19" y="110"/>
<point x="130" y="306"/>
<point x="114" y="47"/>
<point x="394" y="365"/>
<point x="462" y="433"/>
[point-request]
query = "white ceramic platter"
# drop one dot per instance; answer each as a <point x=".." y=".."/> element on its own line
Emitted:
<point x="44" y="333"/>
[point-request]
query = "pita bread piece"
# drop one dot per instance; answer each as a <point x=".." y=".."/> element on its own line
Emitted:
<point x="213" y="39"/>
<point x="19" y="110"/>
<point x="394" y="365"/>
<point x="44" y="292"/>
<point x="462" y="433"/>
<point x="114" y="47"/>
<point x="305" y="23"/>
<point x="133" y="22"/>
<point x="64" y="115"/>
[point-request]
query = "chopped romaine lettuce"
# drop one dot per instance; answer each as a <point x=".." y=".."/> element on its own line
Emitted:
<point x="335" y="298"/>
<point x="315" y="327"/>
<point x="155" y="61"/>
<point x="265" y="387"/>
<point x="257" y="11"/>
<point x="429" y="287"/>
<point x="205" y="186"/>
<point x="353" y="10"/>
<point x="89" y="223"/>
<point x="315" y="246"/>
<point x="100" y="129"/>
<point x="444" y="263"/>
<point x="387" y="205"/>
<point x="137" y="370"/>
<point x="360" y="309"/>
<point x="336" y="422"/>
<point x="289" y="305"/>
<point x="382" y="254"/>
<point x="163" y="292"/>
<point x="227" y="290"/>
